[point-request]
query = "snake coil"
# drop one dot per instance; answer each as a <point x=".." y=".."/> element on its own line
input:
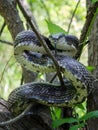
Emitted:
<point x="32" y="56"/>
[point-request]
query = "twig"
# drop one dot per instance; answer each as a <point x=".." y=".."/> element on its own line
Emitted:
<point x="54" y="76"/>
<point x="6" y="42"/>
<point x="42" y="42"/>
<point x="17" y="117"/>
<point x="92" y="12"/>
<point x="5" y="68"/>
<point x="73" y="15"/>
<point x="67" y="31"/>
<point x="30" y="15"/>
<point x="2" y="28"/>
<point x="22" y="79"/>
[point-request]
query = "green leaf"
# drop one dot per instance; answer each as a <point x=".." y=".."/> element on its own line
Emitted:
<point x="93" y="114"/>
<point x="90" y="68"/>
<point x="59" y="122"/>
<point x="53" y="28"/>
<point x="81" y="106"/>
<point x="75" y="127"/>
<point x="55" y="112"/>
<point x="93" y="1"/>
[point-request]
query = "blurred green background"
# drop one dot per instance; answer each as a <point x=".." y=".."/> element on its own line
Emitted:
<point x="60" y="13"/>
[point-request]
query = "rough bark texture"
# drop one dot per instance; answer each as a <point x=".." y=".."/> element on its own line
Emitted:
<point x="11" y="17"/>
<point x="92" y="103"/>
<point x="29" y="122"/>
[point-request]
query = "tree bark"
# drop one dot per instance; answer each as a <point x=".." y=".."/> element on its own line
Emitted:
<point x="11" y="17"/>
<point x="92" y="102"/>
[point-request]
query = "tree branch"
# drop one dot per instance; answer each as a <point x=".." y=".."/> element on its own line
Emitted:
<point x="91" y="14"/>
<point x="2" y="28"/>
<point x="6" y="42"/>
<point x="30" y="15"/>
<point x="11" y="17"/>
<point x="42" y="42"/>
<point x="17" y="117"/>
<point x="73" y="15"/>
<point x="5" y="68"/>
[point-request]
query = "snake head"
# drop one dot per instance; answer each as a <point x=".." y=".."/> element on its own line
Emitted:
<point x="64" y="44"/>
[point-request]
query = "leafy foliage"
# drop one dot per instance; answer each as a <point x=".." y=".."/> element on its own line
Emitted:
<point x="93" y="1"/>
<point x="93" y="114"/>
<point x="90" y="68"/>
<point x="59" y="122"/>
<point x="59" y="12"/>
<point x="79" y="121"/>
<point x="53" y="28"/>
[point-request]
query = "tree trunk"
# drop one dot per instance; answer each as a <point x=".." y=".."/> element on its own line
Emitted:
<point x="92" y="102"/>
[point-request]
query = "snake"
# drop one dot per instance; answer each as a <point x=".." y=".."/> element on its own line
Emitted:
<point x="30" y="54"/>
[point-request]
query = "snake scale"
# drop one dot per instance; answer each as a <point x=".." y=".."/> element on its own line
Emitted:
<point x="31" y="55"/>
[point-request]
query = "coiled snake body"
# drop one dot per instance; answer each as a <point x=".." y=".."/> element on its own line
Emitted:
<point x="31" y="55"/>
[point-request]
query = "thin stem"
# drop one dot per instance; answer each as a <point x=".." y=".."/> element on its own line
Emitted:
<point x="54" y="76"/>
<point x="2" y="28"/>
<point x="5" y="68"/>
<point x="42" y="42"/>
<point x="90" y="18"/>
<point x="6" y="42"/>
<point x="73" y="14"/>
<point x="27" y="7"/>
<point x="22" y="79"/>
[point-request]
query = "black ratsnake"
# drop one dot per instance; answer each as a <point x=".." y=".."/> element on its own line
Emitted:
<point x="31" y="55"/>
